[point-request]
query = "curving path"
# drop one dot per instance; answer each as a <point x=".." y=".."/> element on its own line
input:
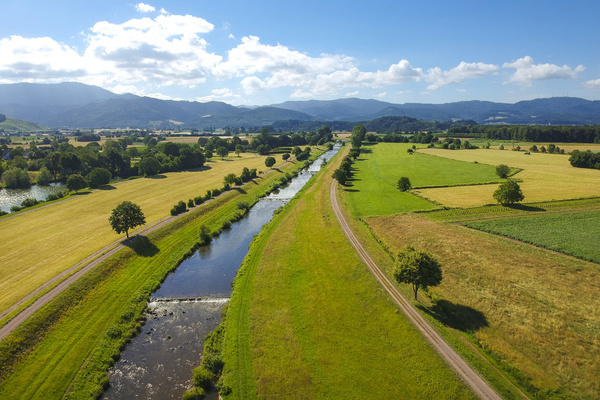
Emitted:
<point x="464" y="370"/>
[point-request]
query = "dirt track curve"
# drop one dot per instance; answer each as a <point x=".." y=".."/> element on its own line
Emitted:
<point x="477" y="384"/>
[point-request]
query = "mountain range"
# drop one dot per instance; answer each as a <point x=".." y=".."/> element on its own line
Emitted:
<point x="75" y="105"/>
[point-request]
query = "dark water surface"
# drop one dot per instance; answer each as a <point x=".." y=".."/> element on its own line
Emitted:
<point x="158" y="363"/>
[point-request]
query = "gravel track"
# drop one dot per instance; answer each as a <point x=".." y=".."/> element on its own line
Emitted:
<point x="464" y="370"/>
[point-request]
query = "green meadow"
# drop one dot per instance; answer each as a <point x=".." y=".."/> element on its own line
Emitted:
<point x="373" y="189"/>
<point x="65" y="349"/>
<point x="576" y="234"/>
<point x="306" y="322"/>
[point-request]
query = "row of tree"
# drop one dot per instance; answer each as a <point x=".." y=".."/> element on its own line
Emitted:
<point x="531" y="133"/>
<point x="585" y="159"/>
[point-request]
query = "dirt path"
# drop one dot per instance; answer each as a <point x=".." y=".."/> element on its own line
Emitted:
<point x="81" y="268"/>
<point x="477" y="384"/>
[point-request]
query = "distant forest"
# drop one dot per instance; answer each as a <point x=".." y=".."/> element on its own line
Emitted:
<point x="380" y="125"/>
<point x="531" y="133"/>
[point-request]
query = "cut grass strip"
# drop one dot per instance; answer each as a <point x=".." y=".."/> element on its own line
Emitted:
<point x="307" y="320"/>
<point x="575" y="234"/>
<point x="64" y="350"/>
<point x="373" y="189"/>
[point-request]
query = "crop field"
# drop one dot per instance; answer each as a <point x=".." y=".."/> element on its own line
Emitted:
<point x="576" y="234"/>
<point x="533" y="310"/>
<point x="64" y="350"/>
<point x="49" y="240"/>
<point x="373" y="190"/>
<point x="304" y="322"/>
<point x="545" y="177"/>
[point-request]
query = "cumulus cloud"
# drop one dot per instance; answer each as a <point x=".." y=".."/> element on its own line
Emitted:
<point x="166" y="50"/>
<point x="224" y="94"/>
<point x="144" y="8"/>
<point x="593" y="84"/>
<point x="460" y="73"/>
<point x="527" y="71"/>
<point x="38" y="59"/>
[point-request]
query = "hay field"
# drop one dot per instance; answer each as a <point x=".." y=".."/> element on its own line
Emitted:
<point x="545" y="177"/>
<point x="538" y="311"/>
<point x="41" y="244"/>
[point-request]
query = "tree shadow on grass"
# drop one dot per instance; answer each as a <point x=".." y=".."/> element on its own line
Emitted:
<point x="106" y="187"/>
<point x="142" y="246"/>
<point x="240" y="190"/>
<point x="160" y="176"/>
<point x="524" y="207"/>
<point x="457" y="316"/>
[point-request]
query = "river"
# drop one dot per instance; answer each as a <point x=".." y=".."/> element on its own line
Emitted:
<point x="158" y="362"/>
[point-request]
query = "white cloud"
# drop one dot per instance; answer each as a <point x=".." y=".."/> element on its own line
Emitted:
<point x="460" y="73"/>
<point x="38" y="59"/>
<point x="231" y="36"/>
<point x="144" y="8"/>
<point x="224" y="94"/>
<point x="593" y="84"/>
<point x="352" y="94"/>
<point x="381" y="95"/>
<point x="167" y="50"/>
<point x="527" y="71"/>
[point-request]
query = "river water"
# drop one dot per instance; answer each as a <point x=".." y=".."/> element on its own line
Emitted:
<point x="14" y="197"/>
<point x="158" y="362"/>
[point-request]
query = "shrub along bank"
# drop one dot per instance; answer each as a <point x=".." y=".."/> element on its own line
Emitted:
<point x="65" y="349"/>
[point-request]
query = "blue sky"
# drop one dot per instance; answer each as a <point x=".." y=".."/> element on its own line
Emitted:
<point x="266" y="52"/>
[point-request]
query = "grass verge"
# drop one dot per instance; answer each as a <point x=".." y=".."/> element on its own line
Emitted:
<point x="65" y="349"/>
<point x="307" y="320"/>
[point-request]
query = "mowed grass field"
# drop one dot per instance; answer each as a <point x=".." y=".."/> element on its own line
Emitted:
<point x="373" y="189"/>
<point x="576" y="234"/>
<point x="307" y="319"/>
<point x="537" y="311"/>
<point x="37" y="246"/>
<point x="545" y="177"/>
<point x="64" y="350"/>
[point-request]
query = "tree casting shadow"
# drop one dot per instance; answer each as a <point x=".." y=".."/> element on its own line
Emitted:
<point x="524" y="207"/>
<point x="456" y="316"/>
<point x="142" y="246"/>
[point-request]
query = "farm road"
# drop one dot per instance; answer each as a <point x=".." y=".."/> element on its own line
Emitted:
<point x="477" y="384"/>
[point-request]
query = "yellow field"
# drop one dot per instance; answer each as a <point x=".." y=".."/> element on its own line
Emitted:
<point x="544" y="177"/>
<point x="39" y="245"/>
<point x="539" y="311"/>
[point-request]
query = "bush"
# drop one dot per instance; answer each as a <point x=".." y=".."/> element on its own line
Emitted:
<point x="16" y="178"/>
<point x="216" y="192"/>
<point x="203" y="378"/>
<point x="56" y="195"/>
<point x="243" y="206"/>
<point x="404" y="184"/>
<point x="198" y="200"/>
<point x="15" y="209"/>
<point x="99" y="177"/>
<point x="205" y="235"/>
<point x="226" y="225"/>
<point x="178" y="208"/>
<point x="29" y="203"/>
<point x="194" y="394"/>
<point x="502" y="170"/>
<point x="44" y="177"/>
<point x="190" y="203"/>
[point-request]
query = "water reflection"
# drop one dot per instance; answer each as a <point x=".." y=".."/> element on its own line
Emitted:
<point x="14" y="197"/>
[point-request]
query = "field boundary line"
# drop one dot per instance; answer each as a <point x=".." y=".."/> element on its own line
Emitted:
<point x="517" y="241"/>
<point x="479" y="386"/>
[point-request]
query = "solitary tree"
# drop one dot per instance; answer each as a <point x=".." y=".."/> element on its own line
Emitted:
<point x="508" y="192"/>
<point x="126" y="216"/>
<point x="502" y="170"/>
<point x="417" y="268"/>
<point x="285" y="156"/>
<point x="76" y="182"/>
<point x="222" y="152"/>
<point x="404" y="184"/>
<point x="269" y="161"/>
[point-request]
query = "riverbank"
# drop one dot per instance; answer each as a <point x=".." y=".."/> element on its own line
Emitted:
<point x="306" y="318"/>
<point x="65" y="349"/>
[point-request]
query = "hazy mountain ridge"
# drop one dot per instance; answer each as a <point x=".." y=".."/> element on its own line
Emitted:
<point x="75" y="105"/>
